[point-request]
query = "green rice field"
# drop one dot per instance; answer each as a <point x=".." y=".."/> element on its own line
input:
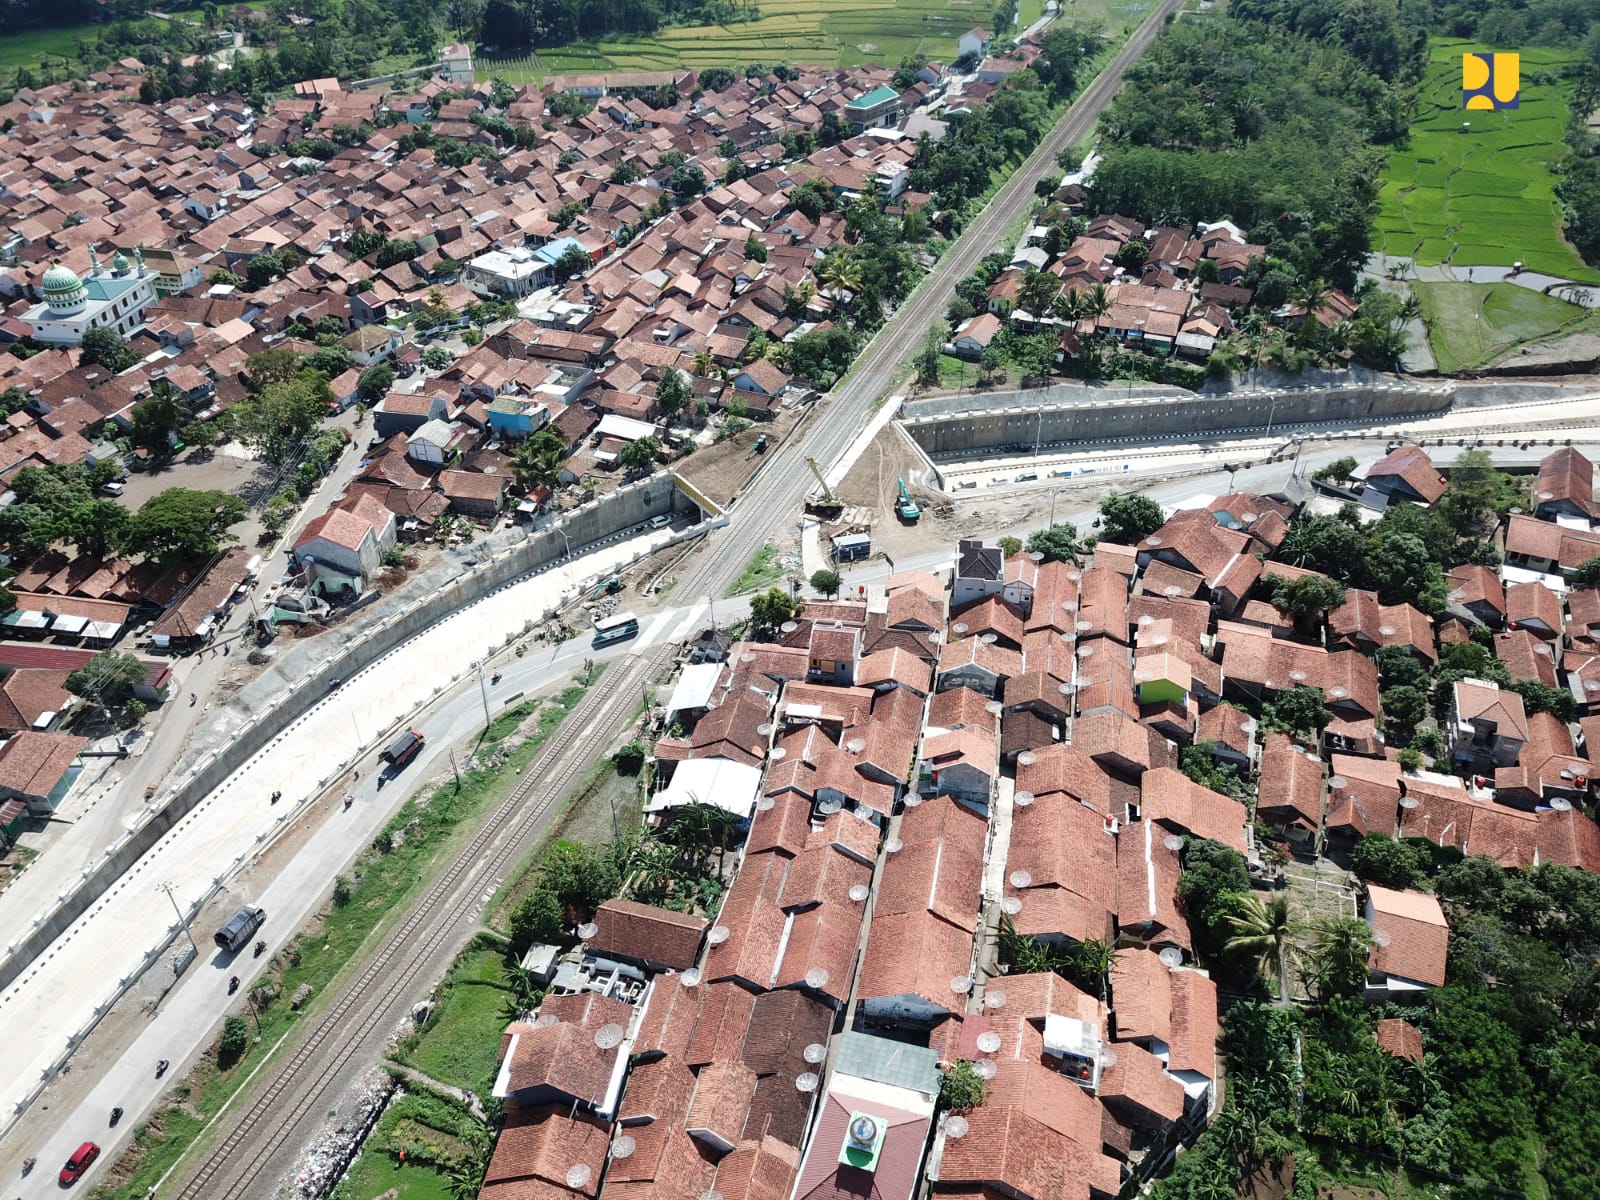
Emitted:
<point x="824" y="33"/>
<point x="1485" y="197"/>
<point x="1470" y="324"/>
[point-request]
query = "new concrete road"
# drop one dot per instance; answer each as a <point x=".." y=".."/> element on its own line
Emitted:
<point x="62" y="992"/>
<point x="1575" y="415"/>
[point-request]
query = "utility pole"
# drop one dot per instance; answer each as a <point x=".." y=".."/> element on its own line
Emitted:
<point x="455" y="768"/>
<point x="182" y="920"/>
<point x="483" y="690"/>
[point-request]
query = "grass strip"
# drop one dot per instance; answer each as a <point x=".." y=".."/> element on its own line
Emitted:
<point x="385" y="881"/>
<point x="760" y="572"/>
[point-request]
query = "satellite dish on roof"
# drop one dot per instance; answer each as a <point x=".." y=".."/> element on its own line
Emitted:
<point x="1297" y="675"/>
<point x="1172" y="957"/>
<point x="1154" y="539"/>
<point x="989" y="639"/>
<point x="913" y="799"/>
<point x="1147" y="619"/>
<point x="764" y="728"/>
<point x="1409" y="802"/>
<point x="1036" y="555"/>
<point x="690" y="977"/>
<point x="1172" y="842"/>
<point x="1074" y="576"/>
<point x="1022" y="799"/>
<point x="1083" y="626"/>
<point x="806" y="1082"/>
<point x="1172" y="591"/>
<point x="1380" y="937"/>
<point x="778" y="754"/>
<point x="859" y="892"/>
<point x="545" y="1020"/>
<point x="1386" y="630"/>
<point x="789" y="626"/>
<point x="961" y="984"/>
<point x="765" y="804"/>
<point x="1248" y="517"/>
<point x="608" y="1036"/>
<point x="959" y="627"/>
<point x="718" y="935"/>
<point x="1248" y="725"/>
<point x="1011" y="905"/>
<point x="1338" y="693"/>
<point x="1560" y="804"/>
<point x="1108" y="1056"/>
<point x="1338" y="781"/>
<point x="829" y="806"/>
<point x="856" y="745"/>
<point x="994" y="707"/>
<point x="1027" y="758"/>
<point x="817" y="977"/>
<point x="893" y="845"/>
<point x="577" y="1175"/>
<point x="587" y="930"/>
<point x="984" y="1068"/>
<point x="994" y="999"/>
<point x="1021" y="878"/>
<point x="988" y="1041"/>
<point x="815" y="1052"/>
<point x="955" y="1127"/>
<point x="623" y="1147"/>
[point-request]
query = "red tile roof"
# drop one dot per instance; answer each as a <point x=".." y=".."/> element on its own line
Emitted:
<point x="1171" y="798"/>
<point x="1400" y="1038"/>
<point x="648" y="933"/>
<point x="542" y="1145"/>
<point x="1410" y="937"/>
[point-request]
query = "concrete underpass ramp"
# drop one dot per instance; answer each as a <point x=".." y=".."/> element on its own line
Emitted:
<point x="709" y="508"/>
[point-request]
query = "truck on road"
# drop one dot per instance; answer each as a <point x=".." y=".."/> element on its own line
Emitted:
<point x="241" y="927"/>
<point x="403" y="749"/>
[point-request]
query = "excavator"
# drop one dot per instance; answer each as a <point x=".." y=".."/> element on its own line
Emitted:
<point x="907" y="507"/>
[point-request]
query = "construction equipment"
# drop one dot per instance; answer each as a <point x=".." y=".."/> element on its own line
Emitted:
<point x="908" y="509"/>
<point x="761" y="444"/>
<point x="614" y="584"/>
<point x="824" y="503"/>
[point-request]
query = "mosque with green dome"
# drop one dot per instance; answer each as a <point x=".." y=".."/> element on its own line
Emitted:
<point x="113" y="298"/>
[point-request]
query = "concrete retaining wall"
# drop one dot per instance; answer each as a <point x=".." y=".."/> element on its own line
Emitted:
<point x="271" y="714"/>
<point x="963" y="425"/>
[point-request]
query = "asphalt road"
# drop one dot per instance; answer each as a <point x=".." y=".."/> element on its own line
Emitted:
<point x="261" y="1139"/>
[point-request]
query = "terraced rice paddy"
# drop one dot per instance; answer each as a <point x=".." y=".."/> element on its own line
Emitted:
<point x="819" y="32"/>
<point x="1485" y="197"/>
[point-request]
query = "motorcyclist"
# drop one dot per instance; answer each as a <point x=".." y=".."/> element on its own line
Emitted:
<point x="116" y="1115"/>
<point x="233" y="985"/>
<point x="161" y="1068"/>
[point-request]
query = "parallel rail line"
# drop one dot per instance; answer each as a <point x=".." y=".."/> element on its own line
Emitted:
<point x="389" y="979"/>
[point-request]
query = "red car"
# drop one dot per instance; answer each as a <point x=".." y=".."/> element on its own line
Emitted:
<point x="80" y="1161"/>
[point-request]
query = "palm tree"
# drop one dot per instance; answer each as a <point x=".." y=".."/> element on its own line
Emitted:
<point x="1097" y="301"/>
<point x="1069" y="306"/>
<point x="1337" y="956"/>
<point x="704" y="365"/>
<point x="840" y="273"/>
<point x="1037" y="290"/>
<point x="1262" y="929"/>
<point x="535" y="464"/>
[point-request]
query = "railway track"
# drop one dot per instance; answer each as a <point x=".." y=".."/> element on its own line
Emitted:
<point x="257" y="1148"/>
<point x="245" y="1162"/>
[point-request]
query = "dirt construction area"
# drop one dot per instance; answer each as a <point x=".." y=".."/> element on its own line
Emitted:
<point x="722" y="469"/>
<point x="870" y="489"/>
